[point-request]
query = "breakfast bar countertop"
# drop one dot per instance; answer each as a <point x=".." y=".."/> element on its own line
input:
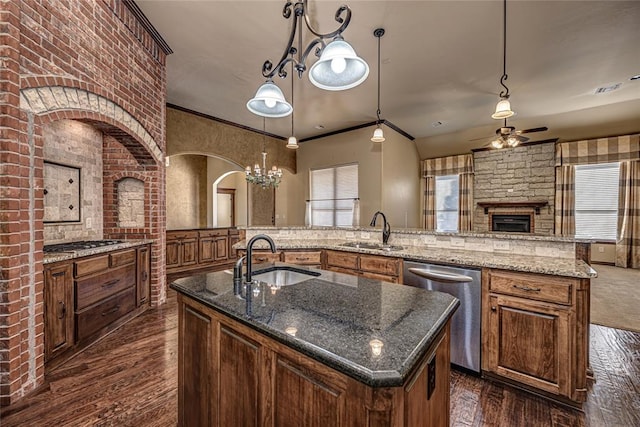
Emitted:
<point x="458" y="257"/>
<point x="333" y="318"/>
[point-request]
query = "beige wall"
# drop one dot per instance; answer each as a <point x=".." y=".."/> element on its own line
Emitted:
<point x="396" y="163"/>
<point x="401" y="181"/>
<point x="186" y="192"/>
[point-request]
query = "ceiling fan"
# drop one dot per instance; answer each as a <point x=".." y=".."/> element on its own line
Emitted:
<point x="508" y="136"/>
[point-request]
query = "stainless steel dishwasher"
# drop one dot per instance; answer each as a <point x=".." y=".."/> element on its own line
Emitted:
<point x="464" y="284"/>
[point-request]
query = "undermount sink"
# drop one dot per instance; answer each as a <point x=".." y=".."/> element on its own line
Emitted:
<point x="284" y="276"/>
<point x="371" y="245"/>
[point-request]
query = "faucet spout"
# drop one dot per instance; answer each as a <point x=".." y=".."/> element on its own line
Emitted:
<point x="250" y="244"/>
<point x="386" y="227"/>
<point x="237" y="276"/>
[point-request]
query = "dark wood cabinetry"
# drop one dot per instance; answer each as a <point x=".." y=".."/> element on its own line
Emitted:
<point x="58" y="309"/>
<point x="388" y="269"/>
<point x="536" y="331"/>
<point x="230" y="374"/>
<point x="90" y="296"/>
<point x="189" y="251"/>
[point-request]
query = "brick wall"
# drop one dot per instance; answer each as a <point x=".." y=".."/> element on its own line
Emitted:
<point x="84" y="60"/>
<point x="522" y="173"/>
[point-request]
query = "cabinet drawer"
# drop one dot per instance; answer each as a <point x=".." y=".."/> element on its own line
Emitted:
<point x="90" y="265"/>
<point x="122" y="258"/>
<point x="342" y="259"/>
<point x="213" y="233"/>
<point x="258" y="257"/>
<point x="100" y="315"/>
<point x="181" y="235"/>
<point x="94" y="288"/>
<point x="381" y="277"/>
<point x="532" y="286"/>
<point x="303" y="257"/>
<point x="381" y="265"/>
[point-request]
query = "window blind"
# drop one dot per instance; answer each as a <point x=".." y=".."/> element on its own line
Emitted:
<point x="447" y="202"/>
<point x="333" y="191"/>
<point x="596" y="196"/>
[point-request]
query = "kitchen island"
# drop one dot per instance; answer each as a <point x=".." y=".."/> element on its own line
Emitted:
<point x="333" y="349"/>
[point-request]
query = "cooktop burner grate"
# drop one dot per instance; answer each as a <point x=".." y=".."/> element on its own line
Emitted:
<point x="75" y="246"/>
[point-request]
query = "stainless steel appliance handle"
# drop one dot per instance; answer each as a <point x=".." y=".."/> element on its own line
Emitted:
<point x="441" y="276"/>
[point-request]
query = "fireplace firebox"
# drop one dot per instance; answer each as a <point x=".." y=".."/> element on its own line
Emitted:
<point x="512" y="223"/>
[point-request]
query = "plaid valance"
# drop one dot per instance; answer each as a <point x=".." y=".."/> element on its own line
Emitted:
<point x="452" y="165"/>
<point x="602" y="150"/>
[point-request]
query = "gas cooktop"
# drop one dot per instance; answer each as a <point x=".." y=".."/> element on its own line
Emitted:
<point x="76" y="246"/>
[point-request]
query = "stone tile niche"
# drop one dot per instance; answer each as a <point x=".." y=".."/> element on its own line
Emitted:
<point x="130" y="203"/>
<point x="525" y="173"/>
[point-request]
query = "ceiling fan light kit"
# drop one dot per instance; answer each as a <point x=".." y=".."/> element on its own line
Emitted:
<point x="339" y="67"/>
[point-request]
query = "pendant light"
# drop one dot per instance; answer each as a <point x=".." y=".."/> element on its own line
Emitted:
<point x="503" y="109"/>
<point x="292" y="142"/>
<point x="378" y="134"/>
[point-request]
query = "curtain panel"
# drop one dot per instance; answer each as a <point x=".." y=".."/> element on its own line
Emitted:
<point x="602" y="150"/>
<point x="628" y="241"/>
<point x="565" y="203"/>
<point x="461" y="165"/>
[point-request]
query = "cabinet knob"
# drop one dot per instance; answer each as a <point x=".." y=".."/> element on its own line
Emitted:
<point x="62" y="309"/>
<point x="493" y="308"/>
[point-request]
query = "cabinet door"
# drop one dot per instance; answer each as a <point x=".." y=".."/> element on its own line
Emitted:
<point x="207" y="250"/>
<point x="239" y="379"/>
<point x="58" y="309"/>
<point x="173" y="253"/>
<point x="529" y="342"/>
<point x="221" y="248"/>
<point x="189" y="251"/>
<point x="306" y="398"/>
<point x="143" y="282"/>
<point x="196" y="367"/>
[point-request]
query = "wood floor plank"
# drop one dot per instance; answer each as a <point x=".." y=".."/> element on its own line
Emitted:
<point x="129" y="378"/>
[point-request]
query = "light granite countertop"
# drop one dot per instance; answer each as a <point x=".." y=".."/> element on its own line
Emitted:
<point x="51" y="257"/>
<point x="335" y="317"/>
<point x="458" y="257"/>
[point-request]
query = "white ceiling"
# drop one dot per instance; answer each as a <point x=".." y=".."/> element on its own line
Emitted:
<point x="441" y="61"/>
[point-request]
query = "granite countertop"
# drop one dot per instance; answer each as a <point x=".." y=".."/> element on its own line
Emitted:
<point x="51" y="257"/>
<point x="335" y="317"/>
<point x="458" y="257"/>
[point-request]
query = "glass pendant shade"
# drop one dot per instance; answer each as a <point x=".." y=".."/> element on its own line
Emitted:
<point x="378" y="135"/>
<point x="503" y="110"/>
<point x="339" y="67"/>
<point x="292" y="143"/>
<point x="269" y="102"/>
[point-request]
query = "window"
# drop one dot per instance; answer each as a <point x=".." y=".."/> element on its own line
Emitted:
<point x="597" y="201"/>
<point x="333" y="191"/>
<point x="447" y="202"/>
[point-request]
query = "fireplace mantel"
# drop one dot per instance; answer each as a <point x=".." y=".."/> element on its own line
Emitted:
<point x="535" y="204"/>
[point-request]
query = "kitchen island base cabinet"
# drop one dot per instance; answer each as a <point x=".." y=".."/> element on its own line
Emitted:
<point x="536" y="331"/>
<point x="229" y="374"/>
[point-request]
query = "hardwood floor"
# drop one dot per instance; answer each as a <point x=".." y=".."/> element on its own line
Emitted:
<point x="129" y="378"/>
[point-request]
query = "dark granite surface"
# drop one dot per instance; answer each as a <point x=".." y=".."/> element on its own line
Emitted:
<point x="335" y="317"/>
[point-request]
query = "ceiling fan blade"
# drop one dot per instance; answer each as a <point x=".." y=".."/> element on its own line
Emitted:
<point x="478" y="139"/>
<point x="540" y="129"/>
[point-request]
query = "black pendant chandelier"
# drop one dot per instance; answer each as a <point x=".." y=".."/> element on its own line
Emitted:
<point x="338" y="68"/>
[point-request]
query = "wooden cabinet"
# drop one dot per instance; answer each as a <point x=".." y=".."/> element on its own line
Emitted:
<point x="182" y="249"/>
<point x="388" y="269"/>
<point x="90" y="296"/>
<point x="535" y="331"/>
<point x="202" y="249"/>
<point x="58" y="309"/>
<point x="105" y="289"/>
<point x="213" y="246"/>
<point x="230" y="374"/>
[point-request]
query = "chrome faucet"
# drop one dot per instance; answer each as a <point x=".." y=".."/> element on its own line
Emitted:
<point x="248" y="281"/>
<point x="386" y="228"/>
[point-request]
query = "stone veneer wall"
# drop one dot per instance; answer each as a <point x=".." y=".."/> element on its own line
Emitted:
<point x="79" y="145"/>
<point x="93" y="61"/>
<point x="516" y="174"/>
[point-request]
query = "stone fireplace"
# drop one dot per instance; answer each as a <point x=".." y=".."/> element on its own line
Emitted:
<point x="517" y="182"/>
